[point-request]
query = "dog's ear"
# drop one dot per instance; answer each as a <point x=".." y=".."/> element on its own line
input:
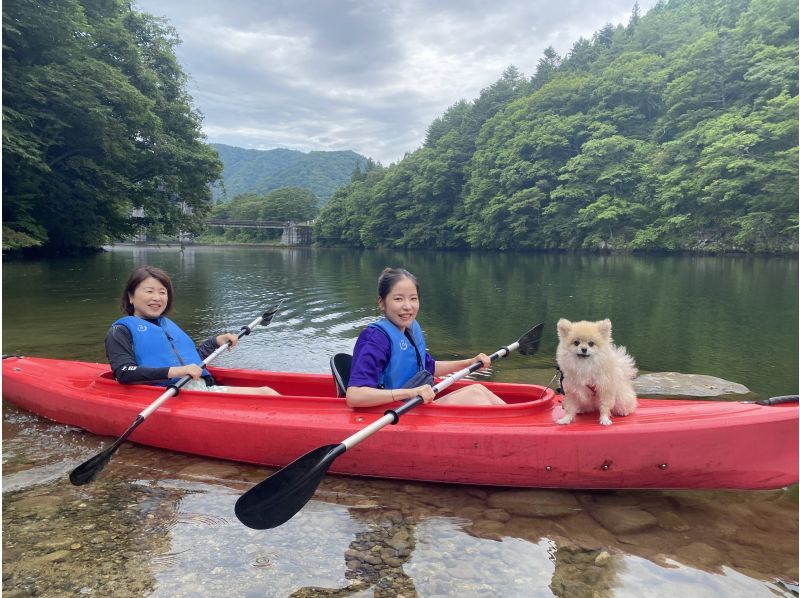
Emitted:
<point x="605" y="329"/>
<point x="563" y="326"/>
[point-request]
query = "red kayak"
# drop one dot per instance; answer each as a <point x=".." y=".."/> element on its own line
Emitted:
<point x="664" y="444"/>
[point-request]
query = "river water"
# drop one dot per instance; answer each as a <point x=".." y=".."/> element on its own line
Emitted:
<point x="161" y="524"/>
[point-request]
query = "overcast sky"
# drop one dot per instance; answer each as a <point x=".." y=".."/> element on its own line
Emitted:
<point x="363" y="75"/>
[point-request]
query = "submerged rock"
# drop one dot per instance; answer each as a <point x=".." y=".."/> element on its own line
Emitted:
<point x="623" y="520"/>
<point x="210" y="469"/>
<point x="699" y="554"/>
<point x="534" y="503"/>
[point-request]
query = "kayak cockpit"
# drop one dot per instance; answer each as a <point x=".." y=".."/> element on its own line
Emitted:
<point x="522" y="399"/>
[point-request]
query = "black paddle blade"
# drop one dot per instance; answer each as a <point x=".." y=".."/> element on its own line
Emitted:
<point x="270" y="313"/>
<point x="280" y="497"/>
<point x="88" y="470"/>
<point x="529" y="342"/>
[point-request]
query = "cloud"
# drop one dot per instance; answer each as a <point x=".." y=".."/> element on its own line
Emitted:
<point x="364" y="75"/>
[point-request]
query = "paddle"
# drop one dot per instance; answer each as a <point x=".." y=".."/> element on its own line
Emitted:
<point x="278" y="498"/>
<point x="776" y="400"/>
<point x="87" y="471"/>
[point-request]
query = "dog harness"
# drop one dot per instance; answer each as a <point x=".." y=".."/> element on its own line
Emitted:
<point x="560" y="389"/>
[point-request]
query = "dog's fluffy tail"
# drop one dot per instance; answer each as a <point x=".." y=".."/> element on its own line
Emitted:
<point x="626" y="363"/>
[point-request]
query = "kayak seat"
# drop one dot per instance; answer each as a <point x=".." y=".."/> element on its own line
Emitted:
<point x="340" y="367"/>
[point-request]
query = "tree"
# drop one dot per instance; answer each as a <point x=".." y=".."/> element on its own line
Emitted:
<point x="290" y="203"/>
<point x="546" y="68"/>
<point x="96" y="122"/>
<point x="287" y="204"/>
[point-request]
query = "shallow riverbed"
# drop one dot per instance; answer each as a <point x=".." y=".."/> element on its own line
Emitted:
<point x="161" y="524"/>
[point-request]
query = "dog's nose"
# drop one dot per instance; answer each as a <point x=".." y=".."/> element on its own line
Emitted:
<point x="583" y="349"/>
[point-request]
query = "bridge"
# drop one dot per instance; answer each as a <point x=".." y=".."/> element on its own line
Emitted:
<point x="294" y="233"/>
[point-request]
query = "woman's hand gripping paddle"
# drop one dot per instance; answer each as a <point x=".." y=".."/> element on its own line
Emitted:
<point x="87" y="471"/>
<point x="278" y="498"/>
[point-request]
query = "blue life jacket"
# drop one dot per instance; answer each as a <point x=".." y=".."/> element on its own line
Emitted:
<point x="163" y="345"/>
<point x="404" y="360"/>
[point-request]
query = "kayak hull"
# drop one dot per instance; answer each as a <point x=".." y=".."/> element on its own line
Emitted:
<point x="664" y="444"/>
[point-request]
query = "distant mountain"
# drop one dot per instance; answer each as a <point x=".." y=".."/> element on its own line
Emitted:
<point x="262" y="171"/>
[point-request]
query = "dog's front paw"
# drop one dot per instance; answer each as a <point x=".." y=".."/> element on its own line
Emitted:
<point x="605" y="421"/>
<point x="567" y="419"/>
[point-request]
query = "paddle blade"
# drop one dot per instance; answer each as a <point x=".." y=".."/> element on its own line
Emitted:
<point x="529" y="342"/>
<point x="270" y="313"/>
<point x="777" y="400"/>
<point x="281" y="496"/>
<point x="88" y="470"/>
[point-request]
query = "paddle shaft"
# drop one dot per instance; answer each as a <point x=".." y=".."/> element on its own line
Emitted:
<point x="280" y="497"/>
<point x="392" y="416"/>
<point x="174" y="388"/>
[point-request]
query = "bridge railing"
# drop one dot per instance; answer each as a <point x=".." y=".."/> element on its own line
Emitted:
<point x="257" y="223"/>
<point x="294" y="233"/>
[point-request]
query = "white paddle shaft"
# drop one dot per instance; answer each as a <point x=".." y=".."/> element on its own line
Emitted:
<point x="173" y="390"/>
<point x="392" y="417"/>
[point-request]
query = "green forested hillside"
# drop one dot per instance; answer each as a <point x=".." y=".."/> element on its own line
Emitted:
<point x="675" y="132"/>
<point x="259" y="172"/>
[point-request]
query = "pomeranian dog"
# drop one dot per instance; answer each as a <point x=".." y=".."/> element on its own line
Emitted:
<point x="597" y="375"/>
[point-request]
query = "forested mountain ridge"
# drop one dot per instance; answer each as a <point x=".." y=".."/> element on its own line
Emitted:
<point x="262" y="171"/>
<point x="675" y="132"/>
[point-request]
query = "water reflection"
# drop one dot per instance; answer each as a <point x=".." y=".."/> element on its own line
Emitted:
<point x="216" y="556"/>
<point x="734" y="318"/>
<point x="376" y="556"/>
<point x="470" y="541"/>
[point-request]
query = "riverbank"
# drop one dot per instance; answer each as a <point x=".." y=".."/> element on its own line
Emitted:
<point x="183" y="245"/>
<point x="45" y="253"/>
